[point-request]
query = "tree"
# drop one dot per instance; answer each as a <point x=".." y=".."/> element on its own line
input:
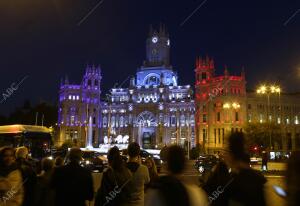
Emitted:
<point x="258" y="134"/>
<point x="27" y="115"/>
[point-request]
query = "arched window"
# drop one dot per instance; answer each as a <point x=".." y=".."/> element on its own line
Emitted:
<point x="146" y="119"/>
<point x="152" y="79"/>
<point x="104" y="121"/>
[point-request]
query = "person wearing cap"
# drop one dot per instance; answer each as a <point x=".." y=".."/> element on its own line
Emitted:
<point x="72" y="184"/>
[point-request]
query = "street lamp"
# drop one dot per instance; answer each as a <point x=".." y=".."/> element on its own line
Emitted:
<point x="227" y="106"/>
<point x="268" y="90"/>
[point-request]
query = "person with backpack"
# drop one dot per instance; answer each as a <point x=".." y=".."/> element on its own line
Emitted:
<point x="170" y="189"/>
<point x="113" y="189"/>
<point x="140" y="176"/>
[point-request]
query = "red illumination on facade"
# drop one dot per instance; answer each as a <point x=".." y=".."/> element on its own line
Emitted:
<point x="206" y="63"/>
<point x="212" y="92"/>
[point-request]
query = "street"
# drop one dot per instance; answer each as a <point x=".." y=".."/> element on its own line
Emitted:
<point x="191" y="176"/>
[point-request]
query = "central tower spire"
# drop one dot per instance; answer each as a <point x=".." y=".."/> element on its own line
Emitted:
<point x="157" y="48"/>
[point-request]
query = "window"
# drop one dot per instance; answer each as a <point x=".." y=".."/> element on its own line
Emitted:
<point x="89" y="82"/>
<point x="219" y="135"/>
<point x="203" y="75"/>
<point x="236" y="116"/>
<point x="173" y="120"/>
<point x="204" y="118"/>
<point x="192" y="120"/>
<point x="204" y="108"/>
<point x="104" y="121"/>
<point x="218" y="116"/>
<point x="215" y="135"/>
<point x="96" y="83"/>
<point x="223" y="135"/>
<point x="121" y="121"/>
<point x="204" y="135"/>
<point x="94" y="120"/>
<point x="278" y="120"/>
<point x="249" y="118"/>
<point x="260" y="118"/>
<point x="72" y="120"/>
<point x="297" y="140"/>
<point x="296" y="120"/>
<point x="152" y="80"/>
<point x="182" y="120"/>
<point x="112" y="121"/>
<point x="289" y="141"/>
<point x="249" y="106"/>
<point x="94" y="136"/>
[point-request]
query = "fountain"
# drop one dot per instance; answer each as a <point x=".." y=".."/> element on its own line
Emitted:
<point x="89" y="144"/>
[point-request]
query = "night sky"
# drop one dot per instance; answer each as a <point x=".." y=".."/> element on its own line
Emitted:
<point x="48" y="39"/>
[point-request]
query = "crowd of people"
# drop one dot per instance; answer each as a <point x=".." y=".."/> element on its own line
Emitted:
<point x="134" y="182"/>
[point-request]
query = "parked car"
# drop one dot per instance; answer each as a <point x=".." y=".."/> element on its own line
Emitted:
<point x="205" y="163"/>
<point x="93" y="161"/>
<point x="255" y="160"/>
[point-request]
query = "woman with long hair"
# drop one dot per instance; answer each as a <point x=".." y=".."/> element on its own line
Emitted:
<point x="113" y="188"/>
<point x="150" y="164"/>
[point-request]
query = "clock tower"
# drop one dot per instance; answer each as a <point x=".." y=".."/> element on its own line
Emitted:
<point x="157" y="48"/>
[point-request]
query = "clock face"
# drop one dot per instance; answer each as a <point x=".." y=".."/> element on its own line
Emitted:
<point x="154" y="39"/>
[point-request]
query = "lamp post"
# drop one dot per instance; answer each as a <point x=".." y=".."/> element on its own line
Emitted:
<point x="268" y="90"/>
<point x="227" y="106"/>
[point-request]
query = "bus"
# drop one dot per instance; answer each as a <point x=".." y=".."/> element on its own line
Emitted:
<point x="37" y="139"/>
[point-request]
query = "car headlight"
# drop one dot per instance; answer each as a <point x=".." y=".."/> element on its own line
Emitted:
<point x="50" y="158"/>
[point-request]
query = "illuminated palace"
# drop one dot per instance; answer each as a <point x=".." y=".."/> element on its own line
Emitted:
<point x="224" y="106"/>
<point x="153" y="111"/>
<point x="79" y="106"/>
